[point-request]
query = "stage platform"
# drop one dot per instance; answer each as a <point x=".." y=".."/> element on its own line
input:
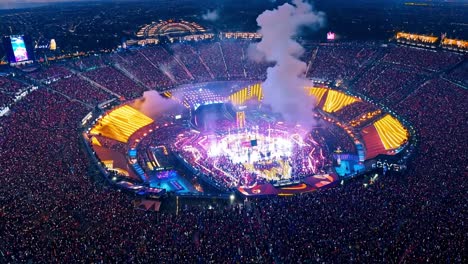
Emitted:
<point x="309" y="184"/>
<point x="171" y="182"/>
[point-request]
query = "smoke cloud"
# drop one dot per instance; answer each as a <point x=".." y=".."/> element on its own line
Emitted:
<point x="211" y="15"/>
<point x="284" y="87"/>
<point x="153" y="104"/>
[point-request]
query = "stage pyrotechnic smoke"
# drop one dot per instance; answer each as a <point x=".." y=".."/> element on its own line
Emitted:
<point x="284" y="87"/>
<point x="211" y="15"/>
<point x="152" y="104"/>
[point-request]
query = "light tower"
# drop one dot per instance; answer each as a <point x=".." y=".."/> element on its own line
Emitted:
<point x="53" y="45"/>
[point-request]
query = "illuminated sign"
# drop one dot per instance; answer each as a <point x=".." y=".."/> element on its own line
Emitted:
<point x="388" y="166"/>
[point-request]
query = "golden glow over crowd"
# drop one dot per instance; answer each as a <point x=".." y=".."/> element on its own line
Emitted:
<point x="121" y="123"/>
<point x="95" y="142"/>
<point x="391" y="132"/>
<point x="337" y="100"/>
<point x="417" y="38"/>
<point x="318" y="92"/>
<point x="250" y="92"/>
<point x="462" y="44"/>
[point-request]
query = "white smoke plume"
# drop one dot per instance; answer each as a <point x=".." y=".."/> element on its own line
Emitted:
<point x="211" y="15"/>
<point x="284" y="87"/>
<point x="153" y="104"/>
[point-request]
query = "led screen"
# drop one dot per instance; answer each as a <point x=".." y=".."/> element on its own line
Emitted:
<point x="19" y="48"/>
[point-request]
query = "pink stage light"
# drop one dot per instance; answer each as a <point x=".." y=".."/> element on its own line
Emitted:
<point x="330" y="36"/>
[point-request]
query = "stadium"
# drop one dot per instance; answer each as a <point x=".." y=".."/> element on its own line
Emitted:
<point x="170" y="152"/>
<point x="228" y="138"/>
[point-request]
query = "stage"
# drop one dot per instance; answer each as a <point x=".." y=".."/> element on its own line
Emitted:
<point x="308" y="184"/>
<point x="253" y="155"/>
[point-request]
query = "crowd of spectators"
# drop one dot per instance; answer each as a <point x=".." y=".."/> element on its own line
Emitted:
<point x="115" y="81"/>
<point x="91" y="62"/>
<point x="162" y="60"/>
<point x="187" y="55"/>
<point x="141" y="68"/>
<point x="211" y="55"/>
<point x="77" y="88"/>
<point x="54" y="72"/>
<point x="9" y="86"/>
<point x="255" y="68"/>
<point x="422" y="58"/>
<point x="388" y="83"/>
<point x="377" y="71"/>
<point x="51" y="211"/>
<point x="9" y="90"/>
<point x="339" y="62"/>
<point x="459" y="74"/>
<point x="234" y="57"/>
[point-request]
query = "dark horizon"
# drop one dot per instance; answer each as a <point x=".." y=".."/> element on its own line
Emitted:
<point x="25" y="4"/>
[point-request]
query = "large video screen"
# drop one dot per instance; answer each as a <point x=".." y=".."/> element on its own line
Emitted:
<point x="19" y="48"/>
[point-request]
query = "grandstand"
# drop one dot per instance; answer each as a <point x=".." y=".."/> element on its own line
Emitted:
<point x="416" y="39"/>
<point x="211" y="54"/>
<point x="335" y="62"/>
<point x="384" y="136"/>
<point x="192" y="61"/>
<point x="455" y="44"/>
<point x="234" y="54"/>
<point x="10" y="91"/>
<point x="116" y="82"/>
<point x="417" y="58"/>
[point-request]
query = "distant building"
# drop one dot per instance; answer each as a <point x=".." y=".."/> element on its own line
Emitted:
<point x="170" y="28"/>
